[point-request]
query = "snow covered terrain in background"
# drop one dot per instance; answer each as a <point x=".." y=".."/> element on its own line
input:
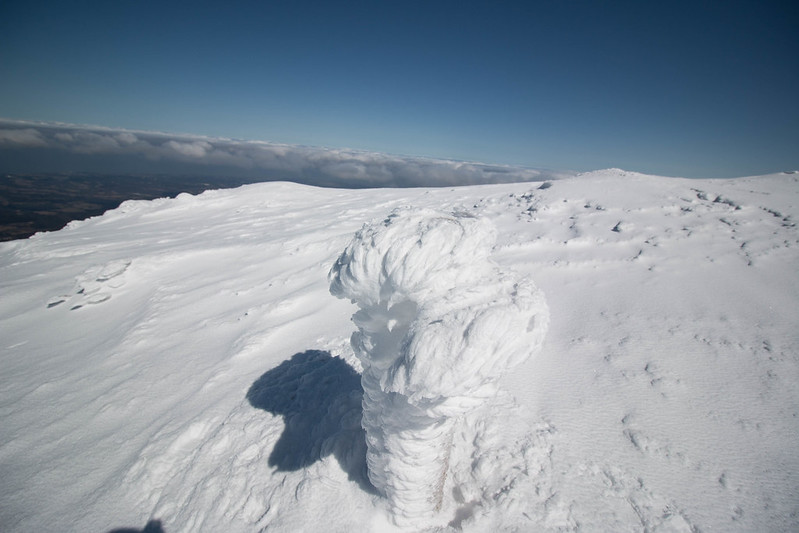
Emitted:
<point x="183" y="360"/>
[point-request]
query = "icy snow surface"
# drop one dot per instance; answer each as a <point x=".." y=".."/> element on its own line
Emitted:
<point x="182" y="360"/>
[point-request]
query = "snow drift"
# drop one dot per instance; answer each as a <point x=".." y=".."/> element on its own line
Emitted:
<point x="438" y="325"/>
<point x="181" y="360"/>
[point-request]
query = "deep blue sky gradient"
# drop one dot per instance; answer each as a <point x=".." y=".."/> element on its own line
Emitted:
<point x="690" y="88"/>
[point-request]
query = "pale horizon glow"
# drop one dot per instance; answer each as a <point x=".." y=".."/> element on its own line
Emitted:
<point x="40" y="147"/>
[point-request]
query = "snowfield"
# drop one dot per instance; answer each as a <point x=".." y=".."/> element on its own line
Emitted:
<point x="183" y="360"/>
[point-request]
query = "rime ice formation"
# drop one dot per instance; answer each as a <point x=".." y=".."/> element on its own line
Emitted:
<point x="438" y="324"/>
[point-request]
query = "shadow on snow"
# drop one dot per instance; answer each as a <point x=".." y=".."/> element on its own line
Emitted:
<point x="153" y="526"/>
<point x="319" y="397"/>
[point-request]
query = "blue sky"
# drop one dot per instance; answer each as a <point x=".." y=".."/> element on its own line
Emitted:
<point x="697" y="89"/>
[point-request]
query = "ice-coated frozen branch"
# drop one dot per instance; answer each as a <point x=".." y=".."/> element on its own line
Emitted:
<point x="438" y="323"/>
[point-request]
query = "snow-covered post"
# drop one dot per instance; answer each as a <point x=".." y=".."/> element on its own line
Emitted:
<point x="438" y="324"/>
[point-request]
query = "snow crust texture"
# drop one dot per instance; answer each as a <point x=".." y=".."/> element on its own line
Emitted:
<point x="181" y="361"/>
<point x="438" y="325"/>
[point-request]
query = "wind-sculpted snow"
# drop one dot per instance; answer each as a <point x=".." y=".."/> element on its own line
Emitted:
<point x="438" y="324"/>
<point x="181" y="360"/>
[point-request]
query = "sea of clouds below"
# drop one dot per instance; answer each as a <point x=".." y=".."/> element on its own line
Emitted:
<point x="55" y="147"/>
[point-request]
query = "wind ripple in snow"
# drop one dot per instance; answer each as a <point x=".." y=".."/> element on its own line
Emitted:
<point x="664" y="398"/>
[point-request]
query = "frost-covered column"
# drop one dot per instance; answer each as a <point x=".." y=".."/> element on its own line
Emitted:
<point x="438" y="324"/>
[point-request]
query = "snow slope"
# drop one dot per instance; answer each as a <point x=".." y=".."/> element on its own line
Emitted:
<point x="183" y="360"/>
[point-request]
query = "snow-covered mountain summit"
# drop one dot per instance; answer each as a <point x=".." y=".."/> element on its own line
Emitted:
<point x="183" y="360"/>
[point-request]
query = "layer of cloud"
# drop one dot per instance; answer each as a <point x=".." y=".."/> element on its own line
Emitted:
<point x="21" y="137"/>
<point x="44" y="147"/>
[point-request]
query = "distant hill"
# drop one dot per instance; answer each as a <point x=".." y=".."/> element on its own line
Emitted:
<point x="30" y="203"/>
